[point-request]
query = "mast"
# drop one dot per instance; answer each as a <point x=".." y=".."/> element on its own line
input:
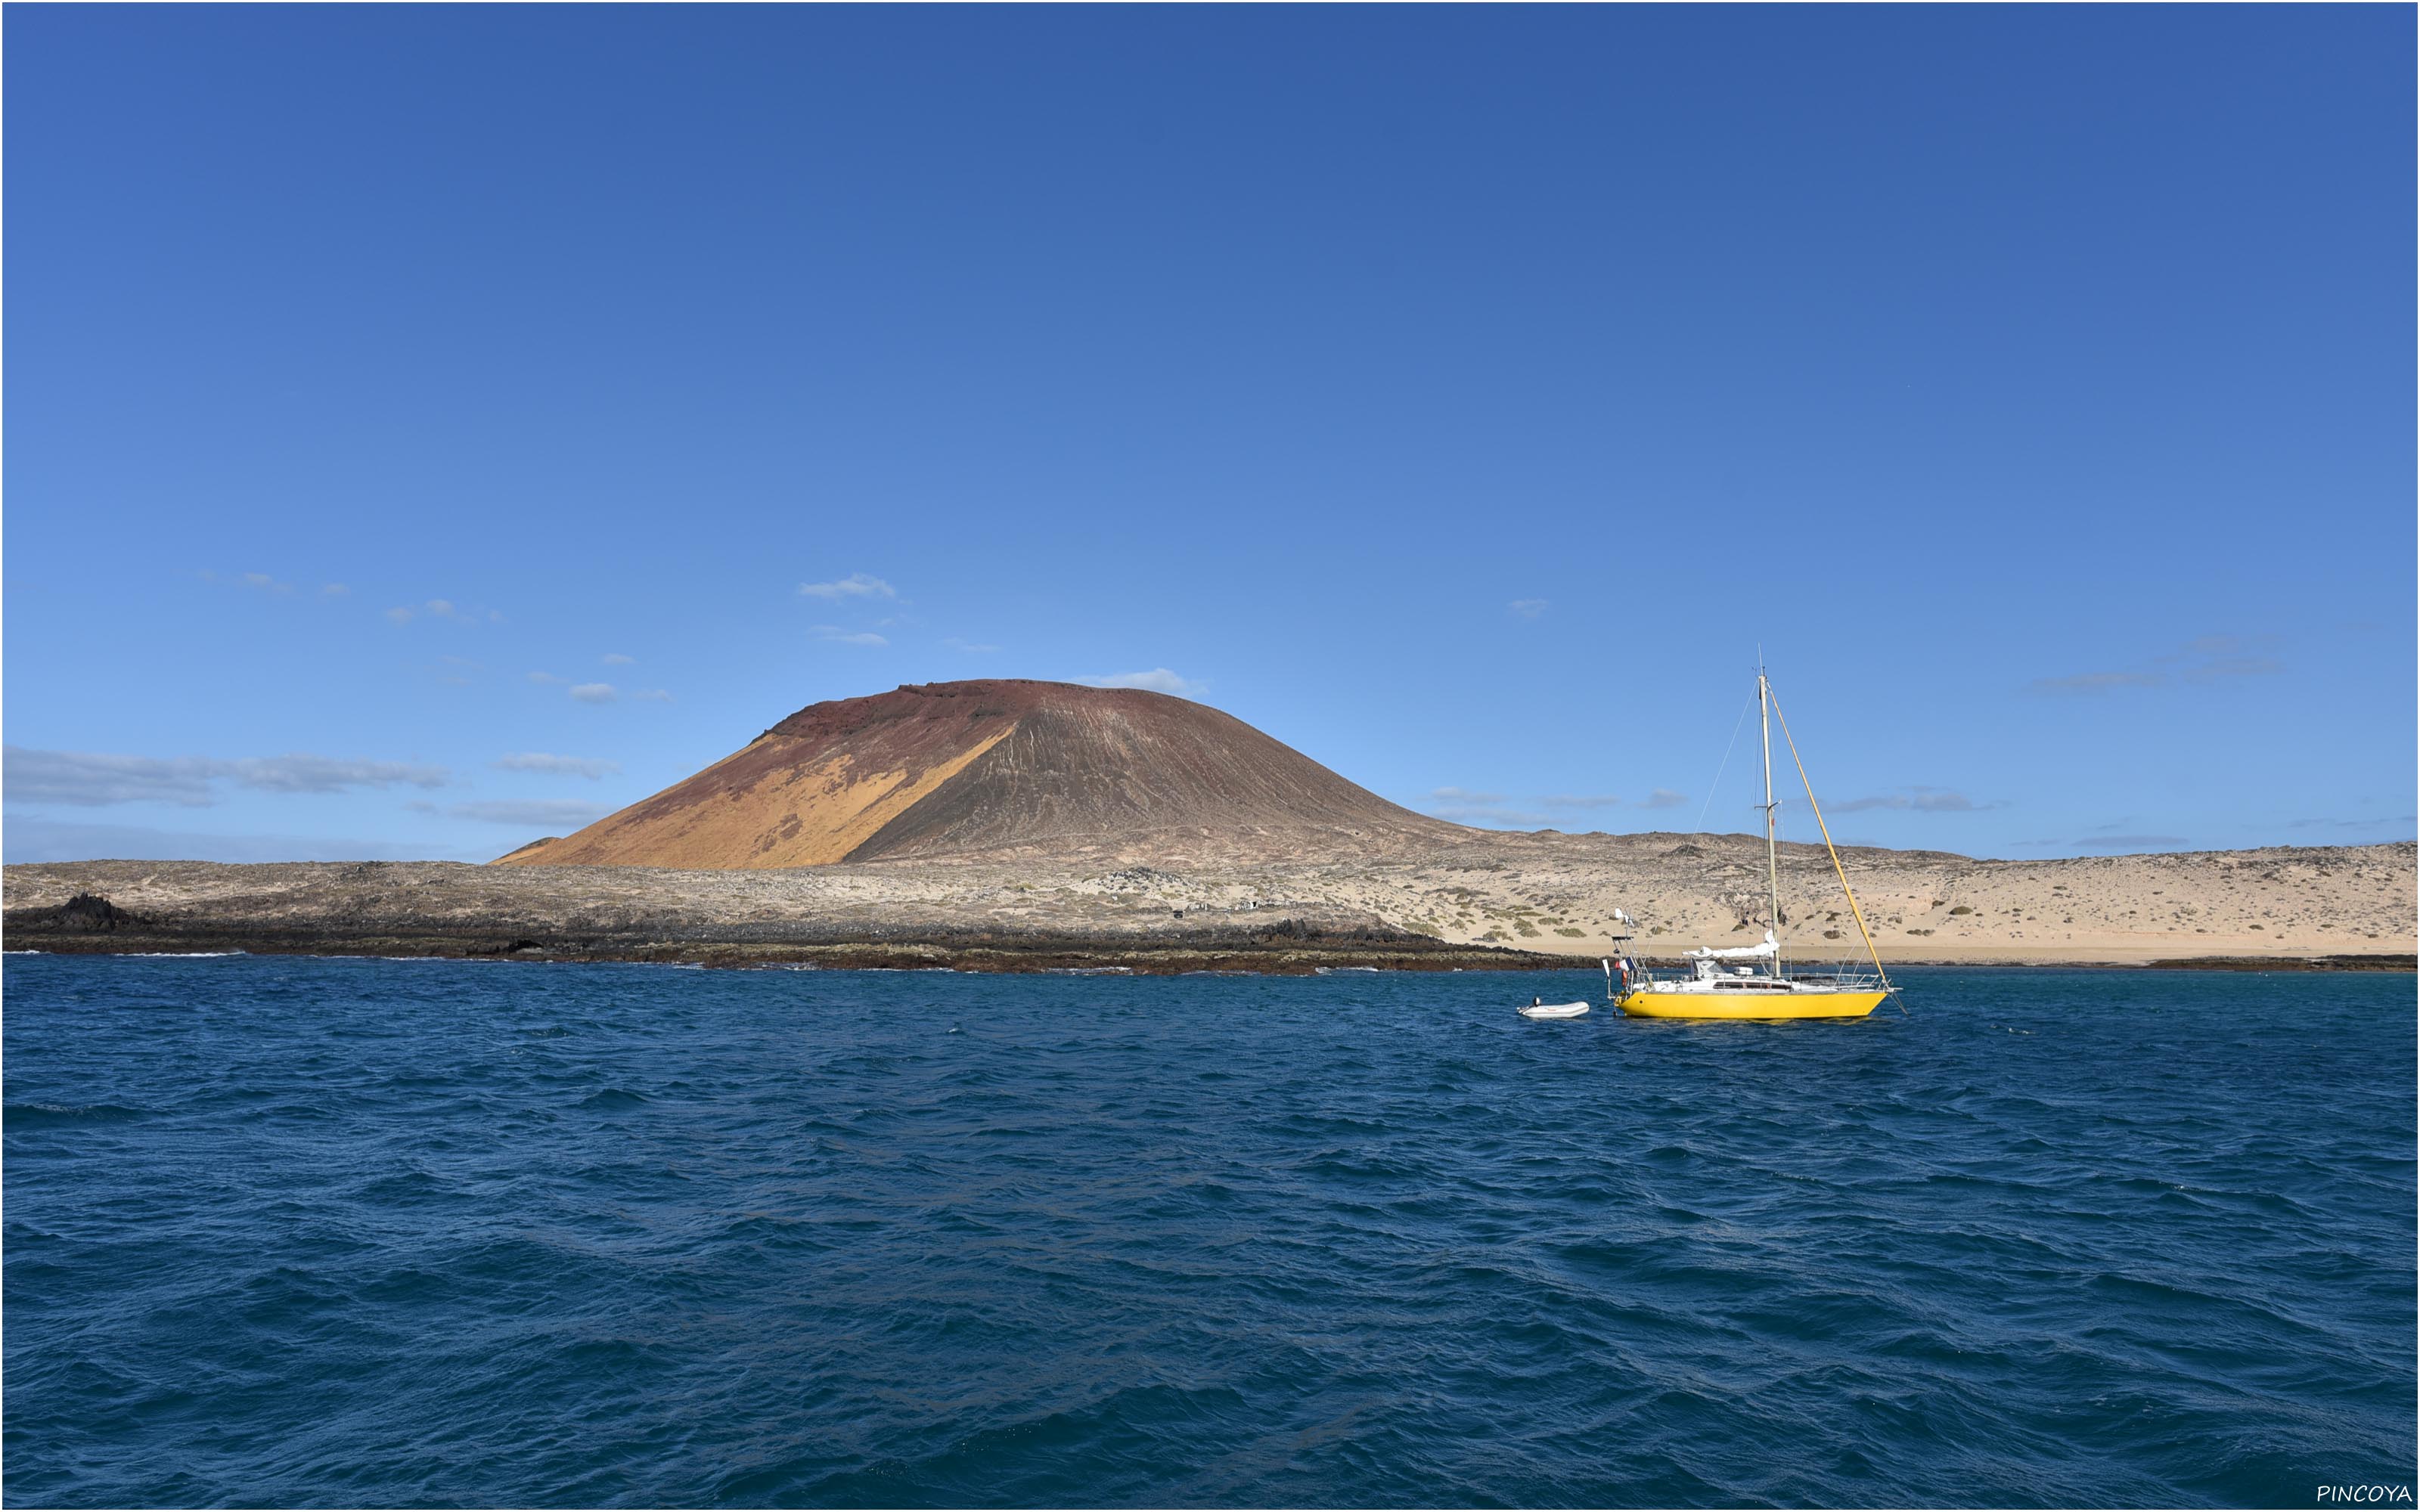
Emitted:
<point x="1772" y="864"/>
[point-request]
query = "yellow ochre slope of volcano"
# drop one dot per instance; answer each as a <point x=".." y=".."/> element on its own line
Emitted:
<point x="998" y="768"/>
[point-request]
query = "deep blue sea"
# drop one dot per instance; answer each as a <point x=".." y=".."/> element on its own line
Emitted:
<point x="299" y="1232"/>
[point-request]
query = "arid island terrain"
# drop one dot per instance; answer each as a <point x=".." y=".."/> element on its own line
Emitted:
<point x="1036" y="825"/>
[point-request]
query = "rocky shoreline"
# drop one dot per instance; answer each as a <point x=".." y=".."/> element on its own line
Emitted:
<point x="91" y="924"/>
<point x="1522" y="905"/>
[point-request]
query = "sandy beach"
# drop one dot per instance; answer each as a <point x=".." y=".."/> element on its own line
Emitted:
<point x="1558" y="893"/>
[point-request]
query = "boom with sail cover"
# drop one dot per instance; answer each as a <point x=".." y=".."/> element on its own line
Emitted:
<point x="1768" y="950"/>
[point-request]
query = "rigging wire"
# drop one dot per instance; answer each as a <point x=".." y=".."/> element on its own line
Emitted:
<point x="1736" y="726"/>
<point x="1855" y="912"/>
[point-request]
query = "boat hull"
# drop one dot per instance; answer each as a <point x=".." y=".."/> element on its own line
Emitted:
<point x="1648" y="1003"/>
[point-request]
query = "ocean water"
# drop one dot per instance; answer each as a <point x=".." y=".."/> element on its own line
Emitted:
<point x="323" y="1231"/>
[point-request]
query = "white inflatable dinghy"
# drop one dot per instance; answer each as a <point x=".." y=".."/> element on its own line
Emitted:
<point x="1554" y="1011"/>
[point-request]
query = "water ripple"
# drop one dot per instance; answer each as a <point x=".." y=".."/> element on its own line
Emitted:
<point x="312" y="1232"/>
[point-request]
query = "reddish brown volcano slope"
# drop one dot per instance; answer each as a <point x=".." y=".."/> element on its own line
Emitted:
<point x="953" y="768"/>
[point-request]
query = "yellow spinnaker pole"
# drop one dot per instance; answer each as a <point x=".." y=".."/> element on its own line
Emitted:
<point x="1854" y="912"/>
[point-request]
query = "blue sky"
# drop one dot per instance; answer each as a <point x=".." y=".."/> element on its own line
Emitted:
<point x="430" y="427"/>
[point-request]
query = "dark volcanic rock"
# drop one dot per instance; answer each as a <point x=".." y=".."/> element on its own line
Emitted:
<point x="86" y="913"/>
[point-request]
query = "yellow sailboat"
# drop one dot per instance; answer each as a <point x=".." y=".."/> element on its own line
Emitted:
<point x="1751" y="981"/>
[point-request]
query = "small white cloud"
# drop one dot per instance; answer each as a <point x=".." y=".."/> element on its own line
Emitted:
<point x="614" y="658"/>
<point x="334" y="591"/>
<point x="324" y="774"/>
<point x="594" y="692"/>
<point x="848" y="637"/>
<point x="2207" y="658"/>
<point x="2374" y="823"/>
<point x="651" y="695"/>
<point x="1665" y="798"/>
<point x="1157" y="680"/>
<point x="974" y="647"/>
<point x="92" y="780"/>
<point x="539" y="813"/>
<point x="1487" y="816"/>
<point x="1920" y="799"/>
<point x="1465" y="807"/>
<point x="1580" y="800"/>
<point x="856" y="585"/>
<point x="591" y="767"/>
<point x="263" y="583"/>
<point x="1526" y="609"/>
<point x="442" y="608"/>
<point x="1465" y="796"/>
<point x="30" y="839"/>
<point x="2095" y="682"/>
<point x="2218" y="667"/>
<point x="548" y="678"/>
